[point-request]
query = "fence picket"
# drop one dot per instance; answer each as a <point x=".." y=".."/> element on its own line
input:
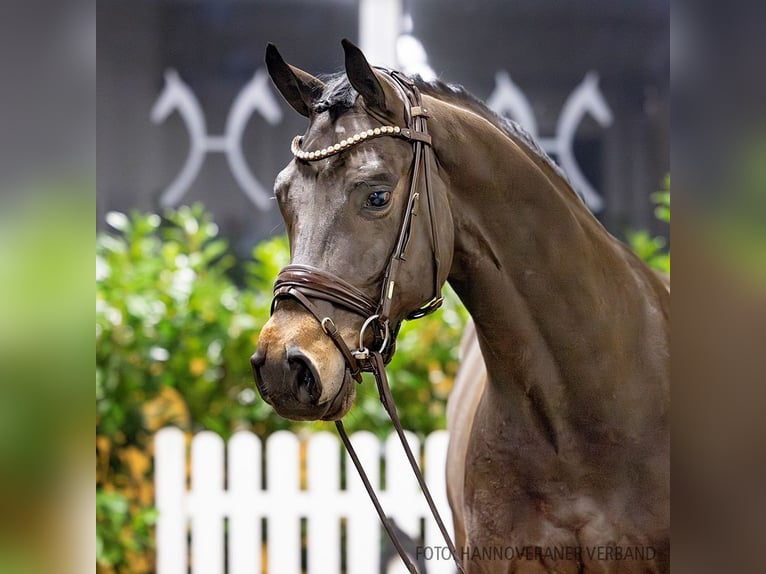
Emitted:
<point x="323" y="470"/>
<point x="402" y="485"/>
<point x="207" y="555"/>
<point x="436" y="477"/>
<point x="170" y="490"/>
<point x="244" y="487"/>
<point x="362" y="530"/>
<point x="284" y="525"/>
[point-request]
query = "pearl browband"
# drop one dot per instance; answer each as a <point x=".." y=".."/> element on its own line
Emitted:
<point x="394" y="131"/>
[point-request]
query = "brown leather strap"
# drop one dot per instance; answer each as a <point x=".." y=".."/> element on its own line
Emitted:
<point x="417" y="132"/>
<point x="374" y="498"/>
<point x="436" y="302"/>
<point x="323" y="285"/>
<point x="384" y="390"/>
<point x="417" y="136"/>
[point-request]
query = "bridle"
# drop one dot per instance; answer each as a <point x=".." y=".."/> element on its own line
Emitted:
<point x="319" y="284"/>
<point x="305" y="284"/>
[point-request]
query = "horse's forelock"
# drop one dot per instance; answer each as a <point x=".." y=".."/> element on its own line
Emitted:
<point x="338" y="95"/>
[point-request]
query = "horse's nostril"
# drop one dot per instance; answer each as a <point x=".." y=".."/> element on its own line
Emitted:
<point x="307" y="380"/>
<point x="308" y="389"/>
<point x="257" y="359"/>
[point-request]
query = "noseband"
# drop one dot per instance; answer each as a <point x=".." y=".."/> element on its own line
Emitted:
<point x="306" y="284"/>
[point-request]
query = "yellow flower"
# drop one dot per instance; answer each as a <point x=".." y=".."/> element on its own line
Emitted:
<point x="197" y="366"/>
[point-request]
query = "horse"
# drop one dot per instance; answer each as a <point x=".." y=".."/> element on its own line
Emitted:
<point x="559" y="456"/>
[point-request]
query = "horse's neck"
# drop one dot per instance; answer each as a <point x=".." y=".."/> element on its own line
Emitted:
<point x="539" y="275"/>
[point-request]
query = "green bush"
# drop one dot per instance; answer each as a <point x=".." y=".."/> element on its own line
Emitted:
<point x="653" y="249"/>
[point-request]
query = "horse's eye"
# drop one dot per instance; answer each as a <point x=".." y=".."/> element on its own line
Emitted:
<point x="378" y="199"/>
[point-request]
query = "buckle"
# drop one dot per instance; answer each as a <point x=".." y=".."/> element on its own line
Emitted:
<point x="416" y="136"/>
<point x="328" y="326"/>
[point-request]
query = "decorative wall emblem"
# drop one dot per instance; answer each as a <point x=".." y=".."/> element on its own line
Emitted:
<point x="256" y="95"/>
<point x="507" y="98"/>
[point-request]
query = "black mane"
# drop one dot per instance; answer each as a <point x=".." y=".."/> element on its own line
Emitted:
<point x="339" y="96"/>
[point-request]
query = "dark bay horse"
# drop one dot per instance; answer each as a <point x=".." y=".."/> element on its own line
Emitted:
<point x="559" y="455"/>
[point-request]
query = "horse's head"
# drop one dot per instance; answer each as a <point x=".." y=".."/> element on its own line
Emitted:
<point x="345" y="199"/>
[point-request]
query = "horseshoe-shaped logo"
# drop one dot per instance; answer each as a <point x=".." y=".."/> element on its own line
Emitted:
<point x="256" y="95"/>
<point x="507" y="98"/>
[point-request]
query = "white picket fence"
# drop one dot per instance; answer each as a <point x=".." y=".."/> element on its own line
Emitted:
<point x="226" y="486"/>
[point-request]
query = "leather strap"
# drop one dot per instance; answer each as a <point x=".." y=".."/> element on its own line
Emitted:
<point x="323" y="285"/>
<point x="374" y="498"/>
<point x="417" y="132"/>
<point x="384" y="391"/>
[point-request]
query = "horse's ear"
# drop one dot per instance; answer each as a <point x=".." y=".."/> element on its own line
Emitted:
<point x="299" y="88"/>
<point x="364" y="79"/>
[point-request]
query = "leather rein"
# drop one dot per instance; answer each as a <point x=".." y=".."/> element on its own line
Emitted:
<point x="305" y="284"/>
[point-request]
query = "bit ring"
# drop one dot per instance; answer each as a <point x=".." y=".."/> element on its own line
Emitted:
<point x="366" y="324"/>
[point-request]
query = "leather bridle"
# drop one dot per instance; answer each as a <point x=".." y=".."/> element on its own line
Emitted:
<point x="306" y="284"/>
<point x="314" y="283"/>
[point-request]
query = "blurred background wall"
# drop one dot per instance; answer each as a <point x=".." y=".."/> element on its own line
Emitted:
<point x="216" y="46"/>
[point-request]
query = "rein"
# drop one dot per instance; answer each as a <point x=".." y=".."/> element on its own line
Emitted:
<point x="305" y="284"/>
